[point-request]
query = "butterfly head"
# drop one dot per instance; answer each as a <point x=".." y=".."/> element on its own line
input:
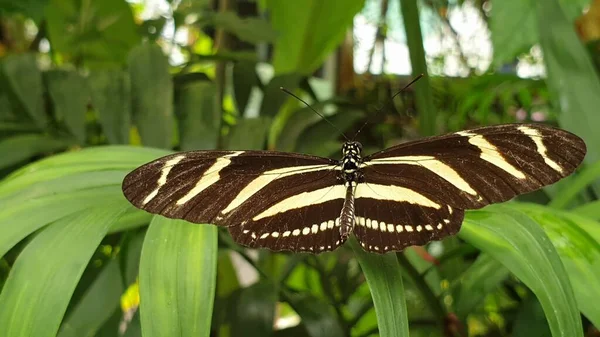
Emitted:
<point x="351" y="157"/>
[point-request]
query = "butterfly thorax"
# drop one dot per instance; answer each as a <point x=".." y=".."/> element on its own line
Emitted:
<point x="351" y="160"/>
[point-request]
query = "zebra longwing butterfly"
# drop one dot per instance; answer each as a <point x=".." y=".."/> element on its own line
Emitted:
<point x="405" y="195"/>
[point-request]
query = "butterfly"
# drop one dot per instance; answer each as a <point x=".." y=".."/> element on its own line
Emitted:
<point x="409" y="194"/>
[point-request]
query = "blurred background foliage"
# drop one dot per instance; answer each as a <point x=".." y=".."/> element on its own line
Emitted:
<point x="85" y="83"/>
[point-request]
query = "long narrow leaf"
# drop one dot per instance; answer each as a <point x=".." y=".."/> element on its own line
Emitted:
<point x="177" y="278"/>
<point x="522" y="246"/>
<point x="34" y="306"/>
<point x="385" y="282"/>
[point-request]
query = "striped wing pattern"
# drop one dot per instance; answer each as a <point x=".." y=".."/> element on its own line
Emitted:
<point x="408" y="194"/>
<point x="268" y="199"/>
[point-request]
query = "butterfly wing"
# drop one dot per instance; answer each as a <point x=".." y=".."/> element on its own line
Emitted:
<point x="420" y="189"/>
<point x="281" y="201"/>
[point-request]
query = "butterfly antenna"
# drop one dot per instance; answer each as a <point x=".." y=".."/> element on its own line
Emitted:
<point x="315" y="111"/>
<point x="390" y="101"/>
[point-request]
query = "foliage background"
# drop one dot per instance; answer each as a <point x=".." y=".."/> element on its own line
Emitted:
<point x="84" y="83"/>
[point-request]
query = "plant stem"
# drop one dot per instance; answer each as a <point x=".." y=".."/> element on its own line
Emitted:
<point x="423" y="94"/>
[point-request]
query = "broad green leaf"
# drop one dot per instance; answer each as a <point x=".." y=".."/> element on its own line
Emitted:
<point x="130" y="259"/>
<point x="252" y="30"/>
<point x="522" y="246"/>
<point x="273" y="97"/>
<point x="253" y="310"/>
<point x="57" y="256"/>
<point x="483" y="276"/>
<point x="70" y="95"/>
<point x="24" y="80"/>
<point x="105" y="158"/>
<point x="30" y="8"/>
<point x="177" y="278"/>
<point x="19" y="148"/>
<point x="97" y="305"/>
<point x="133" y="219"/>
<point x="579" y="251"/>
<point x="590" y="210"/>
<point x="111" y="99"/>
<point x="199" y="120"/>
<point x="249" y="134"/>
<point x="308" y="31"/>
<point x="296" y="123"/>
<point x="101" y="32"/>
<point x="318" y="317"/>
<point x="19" y="220"/>
<point x="311" y="140"/>
<point x="244" y="79"/>
<point x="577" y="184"/>
<point x="152" y="94"/>
<point x="385" y="282"/>
<point x="530" y="320"/>
<point x="572" y="78"/>
<point x="513" y="27"/>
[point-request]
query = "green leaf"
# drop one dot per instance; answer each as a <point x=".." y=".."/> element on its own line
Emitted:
<point x="34" y="306"/>
<point x="249" y="134"/>
<point x="513" y="27"/>
<point x="572" y="78"/>
<point x="19" y="148"/>
<point x="71" y="95"/>
<point x="177" y="278"/>
<point x="244" y="79"/>
<point x="100" y="32"/>
<point x="579" y="252"/>
<point x="423" y="92"/>
<point x="152" y="94"/>
<point x="318" y="317"/>
<point x="111" y="98"/>
<point x="31" y="8"/>
<point x="311" y="140"/>
<point x="385" y="282"/>
<point x="295" y="124"/>
<point x="97" y="304"/>
<point x="483" y="277"/>
<point x="199" y="120"/>
<point x="577" y="184"/>
<point x="24" y="79"/>
<point x="254" y="310"/>
<point x="252" y="30"/>
<point x="530" y="320"/>
<point x="308" y="31"/>
<point x="273" y="97"/>
<point x="590" y="210"/>
<point x="19" y="220"/>
<point x="521" y="246"/>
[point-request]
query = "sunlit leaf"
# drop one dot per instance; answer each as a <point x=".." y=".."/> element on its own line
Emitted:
<point x="34" y="306"/>
<point x="522" y="246"/>
<point x="177" y="278"/>
<point x="385" y="282"/>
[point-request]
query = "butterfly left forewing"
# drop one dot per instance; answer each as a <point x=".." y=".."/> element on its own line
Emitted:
<point x="199" y="186"/>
